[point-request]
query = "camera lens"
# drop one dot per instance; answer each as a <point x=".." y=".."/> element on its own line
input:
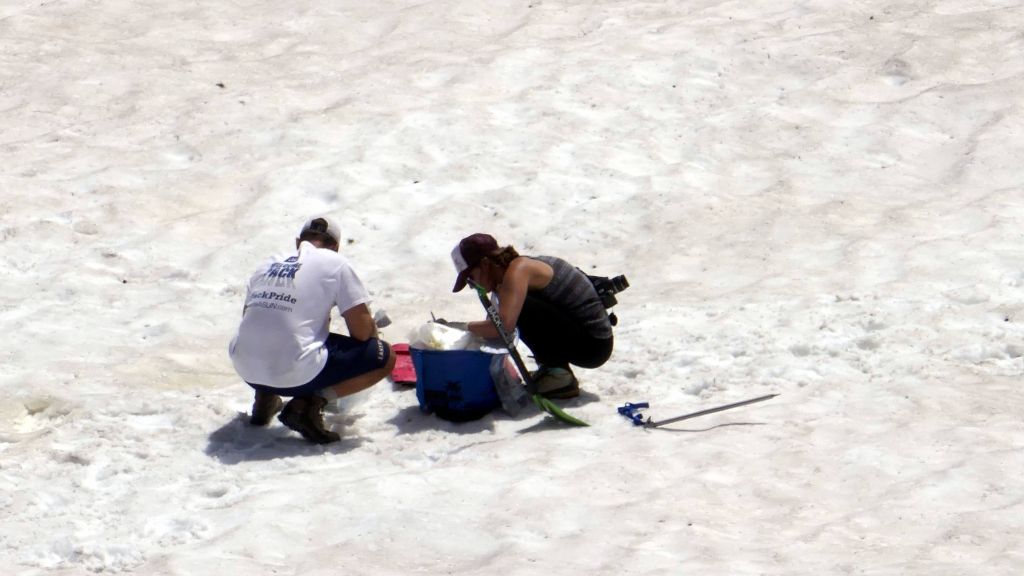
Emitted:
<point x="620" y="283"/>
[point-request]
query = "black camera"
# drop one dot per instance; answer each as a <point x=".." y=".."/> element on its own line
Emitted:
<point x="607" y="288"/>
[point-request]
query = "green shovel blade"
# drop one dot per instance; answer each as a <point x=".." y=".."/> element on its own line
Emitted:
<point x="553" y="409"/>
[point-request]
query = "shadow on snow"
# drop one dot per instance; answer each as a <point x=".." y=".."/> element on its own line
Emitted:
<point x="237" y="441"/>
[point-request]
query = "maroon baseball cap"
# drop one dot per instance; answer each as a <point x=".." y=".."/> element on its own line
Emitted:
<point x="468" y="253"/>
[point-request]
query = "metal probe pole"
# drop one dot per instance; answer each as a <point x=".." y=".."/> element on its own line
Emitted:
<point x="652" y="424"/>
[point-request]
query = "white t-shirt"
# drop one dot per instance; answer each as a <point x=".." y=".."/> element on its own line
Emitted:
<point x="280" y="342"/>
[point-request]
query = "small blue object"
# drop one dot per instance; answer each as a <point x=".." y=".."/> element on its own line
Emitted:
<point x="632" y="411"/>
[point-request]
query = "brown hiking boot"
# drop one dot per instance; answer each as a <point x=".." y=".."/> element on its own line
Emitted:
<point x="556" y="383"/>
<point x="264" y="407"/>
<point x="306" y="416"/>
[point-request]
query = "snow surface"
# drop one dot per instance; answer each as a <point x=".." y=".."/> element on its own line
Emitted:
<point x="817" y="199"/>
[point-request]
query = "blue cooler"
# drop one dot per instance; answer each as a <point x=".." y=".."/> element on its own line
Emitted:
<point x="454" y="384"/>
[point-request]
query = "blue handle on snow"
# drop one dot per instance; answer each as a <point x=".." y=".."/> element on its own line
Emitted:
<point x="631" y="411"/>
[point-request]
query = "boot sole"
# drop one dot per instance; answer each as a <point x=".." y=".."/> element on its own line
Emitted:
<point x="562" y="393"/>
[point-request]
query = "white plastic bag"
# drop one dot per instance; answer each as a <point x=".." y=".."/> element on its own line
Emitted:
<point x="434" y="336"/>
<point x="509" y="385"/>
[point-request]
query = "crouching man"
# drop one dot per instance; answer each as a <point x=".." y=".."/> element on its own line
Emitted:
<point x="284" y="346"/>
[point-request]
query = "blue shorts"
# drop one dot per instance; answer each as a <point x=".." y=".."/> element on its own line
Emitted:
<point x="346" y="359"/>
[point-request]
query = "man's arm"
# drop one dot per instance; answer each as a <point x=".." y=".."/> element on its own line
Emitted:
<point x="360" y="322"/>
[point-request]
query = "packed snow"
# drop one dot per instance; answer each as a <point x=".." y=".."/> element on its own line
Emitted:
<point x="813" y="199"/>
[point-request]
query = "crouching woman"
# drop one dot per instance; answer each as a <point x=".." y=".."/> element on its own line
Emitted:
<point x="554" y="305"/>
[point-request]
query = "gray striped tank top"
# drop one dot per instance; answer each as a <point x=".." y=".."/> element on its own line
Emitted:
<point x="572" y="291"/>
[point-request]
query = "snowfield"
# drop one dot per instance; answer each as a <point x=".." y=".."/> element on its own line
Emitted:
<point x="818" y="200"/>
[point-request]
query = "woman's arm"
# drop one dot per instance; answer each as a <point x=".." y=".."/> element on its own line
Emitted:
<point x="521" y="275"/>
